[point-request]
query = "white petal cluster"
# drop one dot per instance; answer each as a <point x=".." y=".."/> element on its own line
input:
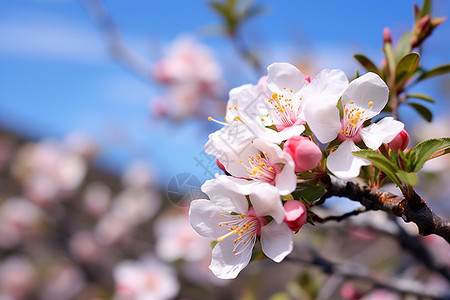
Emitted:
<point x="245" y="206"/>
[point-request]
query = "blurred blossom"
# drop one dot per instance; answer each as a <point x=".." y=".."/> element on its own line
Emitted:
<point x="193" y="77"/>
<point x="138" y="175"/>
<point x="83" y="246"/>
<point x="111" y="229"/>
<point x="199" y="272"/>
<point x="136" y="206"/>
<point x="81" y="144"/>
<point x="381" y="294"/>
<point x="146" y="278"/>
<point x="64" y="283"/>
<point x="17" y="277"/>
<point x="175" y="239"/>
<point x="48" y="170"/>
<point x="18" y="218"/>
<point x="97" y="199"/>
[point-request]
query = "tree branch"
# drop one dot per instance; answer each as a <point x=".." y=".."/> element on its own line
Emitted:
<point x="402" y="286"/>
<point x="128" y="58"/>
<point x="341" y="217"/>
<point x="412" y="210"/>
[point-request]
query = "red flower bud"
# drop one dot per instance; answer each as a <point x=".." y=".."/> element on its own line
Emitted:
<point x="295" y="214"/>
<point x="387" y="36"/>
<point x="400" y="141"/>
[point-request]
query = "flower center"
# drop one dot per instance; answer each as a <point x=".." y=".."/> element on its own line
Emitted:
<point x="260" y="168"/>
<point x="246" y="227"/>
<point x="354" y="117"/>
<point x="285" y="112"/>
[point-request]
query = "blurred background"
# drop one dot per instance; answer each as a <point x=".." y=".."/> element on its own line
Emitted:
<point x="103" y="119"/>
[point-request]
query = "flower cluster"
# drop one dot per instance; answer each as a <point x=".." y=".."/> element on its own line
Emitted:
<point x="268" y="140"/>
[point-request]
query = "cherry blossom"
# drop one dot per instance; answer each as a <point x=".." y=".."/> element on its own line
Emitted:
<point x="236" y="226"/>
<point x="146" y="278"/>
<point x="363" y="99"/>
<point x="261" y="162"/>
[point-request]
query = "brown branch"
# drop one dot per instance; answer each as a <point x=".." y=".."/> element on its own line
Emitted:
<point x="414" y="210"/>
<point x="341" y="217"/>
<point x="401" y="286"/>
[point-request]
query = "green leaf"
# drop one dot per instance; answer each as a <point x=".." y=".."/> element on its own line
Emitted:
<point x="390" y="58"/>
<point x="255" y="11"/>
<point x="380" y="162"/>
<point x="410" y="178"/>
<point x="310" y="194"/>
<point x="444" y="69"/>
<point x="422" y="110"/>
<point x="443" y="149"/>
<point x="420" y="96"/>
<point x="406" y="66"/>
<point x="426" y="8"/>
<point x="423" y="151"/>
<point x="367" y="63"/>
<point x="403" y="46"/>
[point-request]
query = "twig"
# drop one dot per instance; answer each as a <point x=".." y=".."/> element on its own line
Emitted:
<point x="341" y="217"/>
<point x="128" y="58"/>
<point x="415" y="210"/>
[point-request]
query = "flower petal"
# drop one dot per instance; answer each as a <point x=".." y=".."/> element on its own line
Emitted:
<point x="204" y="217"/>
<point x="266" y="202"/>
<point x="276" y="241"/>
<point x="381" y="132"/>
<point x="225" y="264"/>
<point x="323" y="119"/>
<point x="284" y="75"/>
<point x="369" y="88"/>
<point x="223" y="193"/>
<point x="286" y="180"/>
<point x="326" y="87"/>
<point x="343" y="163"/>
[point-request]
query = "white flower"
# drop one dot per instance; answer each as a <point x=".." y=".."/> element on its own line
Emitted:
<point x="228" y="218"/>
<point x="146" y="278"/>
<point x="272" y="109"/>
<point x="363" y="99"/>
<point x="261" y="162"/>
<point x="278" y="100"/>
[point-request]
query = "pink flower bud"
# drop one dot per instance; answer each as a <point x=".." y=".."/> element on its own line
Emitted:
<point x="400" y="141"/>
<point x="294" y="214"/>
<point x="308" y="79"/>
<point x="306" y="154"/>
<point x="387" y="36"/>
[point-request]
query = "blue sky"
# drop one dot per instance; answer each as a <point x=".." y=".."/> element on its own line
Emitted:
<point x="56" y="75"/>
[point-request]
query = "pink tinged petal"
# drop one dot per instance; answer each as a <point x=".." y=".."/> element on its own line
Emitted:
<point x="225" y="263"/>
<point x="343" y="163"/>
<point x="323" y="120"/>
<point x="286" y="180"/>
<point x="368" y="92"/>
<point x="205" y="217"/>
<point x="276" y="241"/>
<point x="284" y="75"/>
<point x="266" y="202"/>
<point x="326" y="88"/>
<point x="381" y="132"/>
